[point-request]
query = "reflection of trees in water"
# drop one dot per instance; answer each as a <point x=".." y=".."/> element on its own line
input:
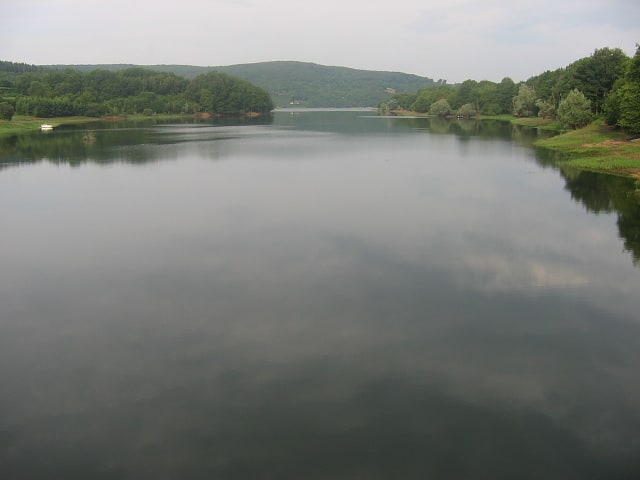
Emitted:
<point x="466" y="128"/>
<point x="494" y="129"/>
<point x="102" y="143"/>
<point x="629" y="228"/>
<point x="136" y="143"/>
<point x="609" y="193"/>
<point x="527" y="136"/>
<point x="74" y="148"/>
<point x="601" y="193"/>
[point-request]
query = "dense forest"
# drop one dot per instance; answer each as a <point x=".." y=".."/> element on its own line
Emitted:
<point x="301" y="83"/>
<point x="607" y="82"/>
<point x="312" y="85"/>
<point x="29" y="90"/>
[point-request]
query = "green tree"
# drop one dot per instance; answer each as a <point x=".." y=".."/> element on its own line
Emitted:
<point x="38" y="88"/>
<point x="545" y="84"/>
<point x="630" y="107"/>
<point x="426" y="97"/>
<point x="467" y="110"/>
<point x="388" y="107"/>
<point x="6" y="111"/>
<point x="404" y="100"/>
<point x="441" y="108"/>
<point x="486" y="98"/>
<point x="505" y="91"/>
<point x="594" y="76"/>
<point x="524" y="102"/>
<point x="465" y="93"/>
<point x="220" y="93"/>
<point x="611" y="105"/>
<point x="574" y="111"/>
<point x="622" y="107"/>
<point x="545" y="109"/>
<point x="422" y="102"/>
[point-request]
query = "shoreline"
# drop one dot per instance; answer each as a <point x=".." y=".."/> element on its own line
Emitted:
<point x="596" y="147"/>
<point x="24" y="124"/>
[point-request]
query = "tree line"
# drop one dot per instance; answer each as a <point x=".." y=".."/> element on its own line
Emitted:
<point x="605" y="83"/>
<point x="69" y="92"/>
<point x="301" y="83"/>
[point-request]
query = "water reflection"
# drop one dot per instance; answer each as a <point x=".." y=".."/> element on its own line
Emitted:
<point x="361" y="298"/>
<point x="602" y="194"/>
<point x="108" y="142"/>
<point x="138" y="142"/>
<point x="105" y="142"/>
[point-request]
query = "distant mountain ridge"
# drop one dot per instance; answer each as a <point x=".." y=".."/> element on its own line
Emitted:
<point x="300" y="83"/>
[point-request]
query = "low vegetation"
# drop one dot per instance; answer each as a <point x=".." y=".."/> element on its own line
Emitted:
<point x="598" y="147"/>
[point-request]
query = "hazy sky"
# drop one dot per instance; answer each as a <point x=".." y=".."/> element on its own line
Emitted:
<point x="450" y="39"/>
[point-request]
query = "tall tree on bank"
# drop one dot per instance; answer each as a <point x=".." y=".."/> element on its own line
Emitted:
<point x="623" y="105"/>
<point x="594" y="76"/>
<point x="524" y="103"/>
<point x="441" y="108"/>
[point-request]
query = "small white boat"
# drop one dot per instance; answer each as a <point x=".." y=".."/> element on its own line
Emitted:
<point x="46" y="126"/>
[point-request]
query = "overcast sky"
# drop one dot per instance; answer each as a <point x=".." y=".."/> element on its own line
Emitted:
<point x="450" y="39"/>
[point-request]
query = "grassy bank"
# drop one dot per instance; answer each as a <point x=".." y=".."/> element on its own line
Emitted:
<point x="21" y="123"/>
<point x="599" y="148"/>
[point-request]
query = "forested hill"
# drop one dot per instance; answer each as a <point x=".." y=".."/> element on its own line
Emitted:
<point x="303" y="84"/>
<point x="47" y="92"/>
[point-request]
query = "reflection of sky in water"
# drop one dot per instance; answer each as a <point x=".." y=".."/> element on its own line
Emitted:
<point x="316" y="305"/>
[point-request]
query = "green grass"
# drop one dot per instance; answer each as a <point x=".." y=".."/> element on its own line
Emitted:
<point x="505" y="117"/>
<point x="541" y="123"/>
<point x="597" y="147"/>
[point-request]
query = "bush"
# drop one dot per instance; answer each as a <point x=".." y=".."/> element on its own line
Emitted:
<point x="574" y="111"/>
<point x="467" y="110"/>
<point x="545" y="109"/>
<point x="441" y="108"/>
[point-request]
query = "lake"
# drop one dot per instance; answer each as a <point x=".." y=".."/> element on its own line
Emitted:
<point x="320" y="295"/>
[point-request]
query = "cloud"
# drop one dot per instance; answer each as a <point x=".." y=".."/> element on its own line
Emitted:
<point x="454" y="39"/>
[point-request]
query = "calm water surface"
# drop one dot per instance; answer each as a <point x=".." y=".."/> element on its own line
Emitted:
<point x="329" y="295"/>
